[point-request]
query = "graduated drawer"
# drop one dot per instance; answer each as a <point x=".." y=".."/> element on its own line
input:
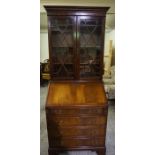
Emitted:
<point x="77" y="131"/>
<point x="75" y="121"/>
<point x="77" y="142"/>
<point x="78" y="111"/>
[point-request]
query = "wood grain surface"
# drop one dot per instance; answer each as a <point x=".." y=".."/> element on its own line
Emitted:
<point x="76" y="94"/>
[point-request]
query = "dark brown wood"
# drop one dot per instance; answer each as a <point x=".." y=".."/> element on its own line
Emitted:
<point x="76" y="14"/>
<point x="76" y="10"/>
<point x="102" y="47"/>
<point x="101" y="151"/>
<point x="99" y="77"/>
<point x="76" y="131"/>
<point x="76" y="104"/>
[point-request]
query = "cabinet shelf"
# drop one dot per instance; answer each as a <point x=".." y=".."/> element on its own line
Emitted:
<point x="89" y="64"/>
<point x="81" y="25"/>
<point x="58" y="25"/>
<point x="90" y="46"/>
<point x="62" y="47"/>
<point x="64" y="64"/>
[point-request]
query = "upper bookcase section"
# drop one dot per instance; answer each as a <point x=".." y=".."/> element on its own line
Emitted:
<point x="76" y="42"/>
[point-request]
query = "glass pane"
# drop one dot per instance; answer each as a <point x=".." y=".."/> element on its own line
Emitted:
<point x="62" y="47"/>
<point x="90" y="47"/>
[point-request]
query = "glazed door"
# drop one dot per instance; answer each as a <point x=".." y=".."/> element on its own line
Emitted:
<point x="90" y="40"/>
<point x="62" y="44"/>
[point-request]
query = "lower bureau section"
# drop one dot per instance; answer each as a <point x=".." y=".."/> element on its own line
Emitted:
<point x="77" y="142"/>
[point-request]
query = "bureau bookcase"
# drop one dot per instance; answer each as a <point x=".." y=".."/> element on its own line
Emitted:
<point x="76" y="105"/>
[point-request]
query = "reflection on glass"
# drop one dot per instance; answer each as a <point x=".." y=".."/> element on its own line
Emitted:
<point x="90" y="47"/>
<point x="62" y="47"/>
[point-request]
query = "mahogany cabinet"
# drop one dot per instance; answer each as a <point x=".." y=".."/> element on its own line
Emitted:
<point x="76" y="115"/>
<point x="76" y="106"/>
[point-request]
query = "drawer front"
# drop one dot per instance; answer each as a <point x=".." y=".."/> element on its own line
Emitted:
<point x="77" y="142"/>
<point x="75" y="121"/>
<point x="87" y="131"/>
<point x="77" y="111"/>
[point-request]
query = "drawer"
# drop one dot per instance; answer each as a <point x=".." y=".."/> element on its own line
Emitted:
<point x="77" y="111"/>
<point x="77" y="142"/>
<point x="75" y="121"/>
<point x="77" y="131"/>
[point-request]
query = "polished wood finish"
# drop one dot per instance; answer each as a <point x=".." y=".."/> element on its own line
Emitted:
<point x="76" y="104"/>
<point x="76" y="119"/>
<point x="67" y="93"/>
